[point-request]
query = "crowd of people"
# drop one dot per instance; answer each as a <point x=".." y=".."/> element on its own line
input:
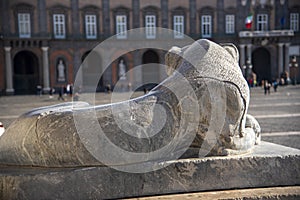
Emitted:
<point x="63" y="92"/>
<point x="267" y="84"/>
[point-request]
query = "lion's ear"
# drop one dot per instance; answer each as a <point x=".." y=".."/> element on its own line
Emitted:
<point x="173" y="59"/>
<point x="232" y="50"/>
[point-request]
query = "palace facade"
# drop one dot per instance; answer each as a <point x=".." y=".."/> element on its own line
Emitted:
<point x="44" y="42"/>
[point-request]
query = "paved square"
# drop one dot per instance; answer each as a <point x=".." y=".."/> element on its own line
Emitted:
<point x="278" y="113"/>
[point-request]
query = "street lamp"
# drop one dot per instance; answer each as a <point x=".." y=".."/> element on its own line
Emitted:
<point x="293" y="69"/>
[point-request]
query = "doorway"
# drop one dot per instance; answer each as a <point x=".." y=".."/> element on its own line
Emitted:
<point x="150" y="72"/>
<point x="26" y="73"/>
<point x="262" y="64"/>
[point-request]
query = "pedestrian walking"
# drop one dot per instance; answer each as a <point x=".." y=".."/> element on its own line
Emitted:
<point x="39" y="90"/>
<point x="267" y="87"/>
<point x="71" y="89"/>
<point x="68" y="89"/>
<point x="275" y="85"/>
<point x="51" y="92"/>
<point x="61" y="93"/>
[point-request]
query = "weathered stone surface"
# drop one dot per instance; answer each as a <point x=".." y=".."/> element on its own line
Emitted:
<point x="269" y="165"/>
<point x="280" y="193"/>
<point x="205" y="101"/>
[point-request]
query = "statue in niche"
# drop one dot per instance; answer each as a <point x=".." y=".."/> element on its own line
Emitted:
<point x="122" y="70"/>
<point x="61" y="71"/>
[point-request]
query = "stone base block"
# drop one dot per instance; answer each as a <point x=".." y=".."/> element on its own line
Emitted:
<point x="286" y="193"/>
<point x="269" y="165"/>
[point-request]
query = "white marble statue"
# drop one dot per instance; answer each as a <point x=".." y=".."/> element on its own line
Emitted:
<point x="122" y="70"/>
<point x="61" y="71"/>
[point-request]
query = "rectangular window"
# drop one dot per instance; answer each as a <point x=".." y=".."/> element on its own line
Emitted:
<point x="262" y="22"/>
<point x="150" y="24"/>
<point x="206" y="26"/>
<point x="121" y="26"/>
<point x="24" y="25"/>
<point x="90" y="27"/>
<point x="229" y="24"/>
<point x="178" y="26"/>
<point x="294" y="21"/>
<point x="59" y="26"/>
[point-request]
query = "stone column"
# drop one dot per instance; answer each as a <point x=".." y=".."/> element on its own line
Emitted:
<point x="249" y="51"/>
<point x="280" y="59"/>
<point x="287" y="57"/>
<point x="242" y="55"/>
<point x="46" y="82"/>
<point x="75" y="19"/>
<point x="9" y="74"/>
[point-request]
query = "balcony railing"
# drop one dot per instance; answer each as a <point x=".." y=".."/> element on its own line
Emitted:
<point x="273" y="33"/>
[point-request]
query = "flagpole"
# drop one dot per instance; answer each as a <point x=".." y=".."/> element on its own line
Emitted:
<point x="252" y="13"/>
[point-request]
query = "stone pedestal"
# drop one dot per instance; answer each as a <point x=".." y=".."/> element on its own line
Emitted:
<point x="269" y="165"/>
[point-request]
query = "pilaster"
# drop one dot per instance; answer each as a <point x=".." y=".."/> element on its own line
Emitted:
<point x="42" y="19"/>
<point x="193" y="16"/>
<point x="164" y="13"/>
<point x="106" y="17"/>
<point x="136" y="13"/>
<point x="75" y="19"/>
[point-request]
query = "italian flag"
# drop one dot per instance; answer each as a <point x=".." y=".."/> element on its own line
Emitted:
<point x="248" y="21"/>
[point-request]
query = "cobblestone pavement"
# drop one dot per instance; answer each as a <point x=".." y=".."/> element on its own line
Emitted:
<point x="278" y="113"/>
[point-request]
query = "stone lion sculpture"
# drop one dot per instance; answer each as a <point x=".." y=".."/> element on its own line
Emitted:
<point x="216" y="107"/>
